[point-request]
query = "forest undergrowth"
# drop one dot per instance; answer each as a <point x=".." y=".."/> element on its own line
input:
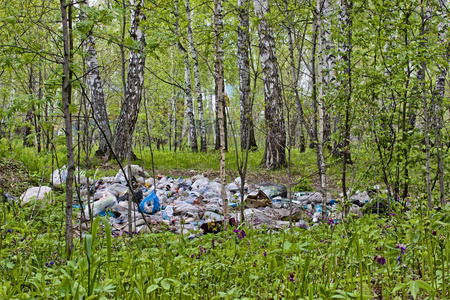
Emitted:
<point x="399" y="255"/>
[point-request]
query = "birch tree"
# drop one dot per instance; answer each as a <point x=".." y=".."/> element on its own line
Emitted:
<point x="243" y="43"/>
<point x="274" y="152"/>
<point x="438" y="97"/>
<point x="97" y="95"/>
<point x="220" y="101"/>
<point x="198" y="88"/>
<point x="187" y="84"/>
<point x="320" y="108"/>
<point x="130" y="108"/>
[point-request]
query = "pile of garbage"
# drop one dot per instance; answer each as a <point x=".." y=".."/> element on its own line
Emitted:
<point x="183" y="205"/>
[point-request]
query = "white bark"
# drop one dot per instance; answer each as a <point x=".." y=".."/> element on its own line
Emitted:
<point x="97" y="95"/>
<point x="320" y="109"/>
<point x="187" y="85"/>
<point x="198" y="88"/>
<point x="220" y="105"/>
<point x="243" y="44"/>
<point x="274" y="153"/>
<point x="130" y="108"/>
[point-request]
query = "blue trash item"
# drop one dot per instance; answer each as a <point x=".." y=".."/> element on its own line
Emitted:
<point x="106" y="214"/>
<point x="167" y="213"/>
<point x="150" y="204"/>
<point x="332" y="202"/>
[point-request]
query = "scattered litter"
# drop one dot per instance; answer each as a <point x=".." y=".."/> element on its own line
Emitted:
<point x="38" y="193"/>
<point x="186" y="205"/>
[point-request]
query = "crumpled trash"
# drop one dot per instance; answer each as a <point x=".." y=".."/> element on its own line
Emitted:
<point x="200" y="185"/>
<point x="210" y="216"/>
<point x="257" y="217"/>
<point x="38" y="193"/>
<point x="361" y="197"/>
<point x="7" y="197"/>
<point x="311" y="198"/>
<point x="185" y="209"/>
<point x="150" y="204"/>
<point x="107" y="201"/>
<point x="167" y="213"/>
<point x="257" y="199"/>
<point x="355" y="209"/>
<point x="274" y="190"/>
<point x="116" y="189"/>
<point x="59" y="176"/>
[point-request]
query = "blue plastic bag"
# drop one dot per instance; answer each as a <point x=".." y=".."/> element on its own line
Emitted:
<point x="150" y="204"/>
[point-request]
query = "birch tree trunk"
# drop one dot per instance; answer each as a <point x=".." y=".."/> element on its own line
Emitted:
<point x="187" y="85"/>
<point x="438" y="98"/>
<point x="126" y="121"/>
<point x="274" y="153"/>
<point x="66" y="99"/>
<point x="218" y="139"/>
<point x="328" y="62"/>
<point x="97" y="95"/>
<point x="198" y="88"/>
<point x="221" y="107"/>
<point x="320" y="110"/>
<point x="294" y="76"/>
<point x="345" y="53"/>
<point x="243" y="44"/>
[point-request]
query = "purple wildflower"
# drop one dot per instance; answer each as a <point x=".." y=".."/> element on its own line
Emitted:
<point x="254" y="263"/>
<point x="265" y="253"/>
<point x="434" y="232"/>
<point x="401" y="247"/>
<point x="380" y="259"/>
<point x="291" y="276"/>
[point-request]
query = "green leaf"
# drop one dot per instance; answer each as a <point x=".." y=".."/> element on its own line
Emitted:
<point x="165" y="284"/>
<point x="414" y="289"/>
<point x="88" y="245"/>
<point x="425" y="286"/>
<point x="287" y="245"/>
<point x="152" y="288"/>
<point x="399" y="287"/>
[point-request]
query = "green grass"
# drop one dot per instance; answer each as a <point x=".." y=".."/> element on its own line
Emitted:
<point x="339" y="261"/>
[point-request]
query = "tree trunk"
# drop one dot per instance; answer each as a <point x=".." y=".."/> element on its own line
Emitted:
<point x="438" y="98"/>
<point x="198" y="88"/>
<point x="346" y="29"/>
<point x="274" y="152"/>
<point x="126" y="121"/>
<point x="187" y="85"/>
<point x="294" y="76"/>
<point x="220" y="101"/>
<point x="66" y="99"/>
<point x="243" y="44"/>
<point x="97" y="95"/>
<point x="218" y="139"/>
<point x="320" y="110"/>
<point x="421" y="77"/>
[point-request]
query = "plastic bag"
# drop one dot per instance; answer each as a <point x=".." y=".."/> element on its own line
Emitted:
<point x="107" y="201"/>
<point x="167" y="214"/>
<point x="200" y="185"/>
<point x="39" y="193"/>
<point x="150" y="204"/>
